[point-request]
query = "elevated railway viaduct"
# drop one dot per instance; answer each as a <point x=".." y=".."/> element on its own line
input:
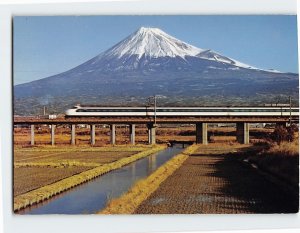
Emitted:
<point x="242" y="125"/>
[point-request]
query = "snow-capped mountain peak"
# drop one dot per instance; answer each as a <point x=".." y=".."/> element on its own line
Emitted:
<point x="147" y="44"/>
<point x="154" y="43"/>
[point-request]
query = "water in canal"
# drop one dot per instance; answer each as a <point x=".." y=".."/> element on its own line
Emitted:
<point x="93" y="196"/>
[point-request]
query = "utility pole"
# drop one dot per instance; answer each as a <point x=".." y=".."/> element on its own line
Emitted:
<point x="150" y="99"/>
<point x="154" y="109"/>
<point x="290" y="100"/>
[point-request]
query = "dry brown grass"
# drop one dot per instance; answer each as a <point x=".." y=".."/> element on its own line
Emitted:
<point x="128" y="202"/>
<point x="285" y="149"/>
<point x="222" y="148"/>
<point x="280" y="160"/>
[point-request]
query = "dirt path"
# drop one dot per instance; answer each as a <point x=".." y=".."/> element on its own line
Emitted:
<point x="217" y="184"/>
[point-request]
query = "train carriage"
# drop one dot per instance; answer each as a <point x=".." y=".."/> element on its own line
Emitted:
<point x="91" y="111"/>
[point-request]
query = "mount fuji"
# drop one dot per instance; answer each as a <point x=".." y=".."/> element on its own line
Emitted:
<point x="151" y="62"/>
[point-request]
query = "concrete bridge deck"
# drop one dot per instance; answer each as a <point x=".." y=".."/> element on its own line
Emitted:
<point x="147" y="120"/>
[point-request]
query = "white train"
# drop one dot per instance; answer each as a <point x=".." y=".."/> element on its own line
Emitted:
<point x="91" y="111"/>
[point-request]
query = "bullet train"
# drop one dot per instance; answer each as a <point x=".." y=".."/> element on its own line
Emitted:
<point x="92" y="111"/>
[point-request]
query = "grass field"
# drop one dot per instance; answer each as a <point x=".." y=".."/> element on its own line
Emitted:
<point x="98" y="157"/>
<point x="30" y="178"/>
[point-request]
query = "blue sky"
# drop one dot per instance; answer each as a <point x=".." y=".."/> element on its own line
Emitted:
<point x="45" y="46"/>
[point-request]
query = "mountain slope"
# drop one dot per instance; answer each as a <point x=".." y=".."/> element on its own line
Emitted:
<point x="150" y="62"/>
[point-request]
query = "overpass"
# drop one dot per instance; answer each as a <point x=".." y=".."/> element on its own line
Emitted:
<point x="201" y="122"/>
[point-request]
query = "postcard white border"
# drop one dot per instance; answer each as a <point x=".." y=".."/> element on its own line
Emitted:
<point x="99" y="223"/>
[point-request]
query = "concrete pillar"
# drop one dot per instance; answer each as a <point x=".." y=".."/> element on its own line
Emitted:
<point x="151" y="134"/>
<point x="92" y="132"/>
<point x="201" y="133"/>
<point x="73" y="134"/>
<point x="52" y="135"/>
<point x="113" y="134"/>
<point x="132" y="134"/>
<point x="32" y="135"/>
<point x="242" y="132"/>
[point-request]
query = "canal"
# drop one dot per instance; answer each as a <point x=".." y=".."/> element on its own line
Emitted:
<point x="94" y="195"/>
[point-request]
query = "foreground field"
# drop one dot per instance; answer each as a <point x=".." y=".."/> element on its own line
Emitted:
<point x="38" y="167"/>
<point x="213" y="179"/>
<point x="35" y="168"/>
<point x="210" y="182"/>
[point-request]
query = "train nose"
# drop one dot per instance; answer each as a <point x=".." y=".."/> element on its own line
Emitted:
<point x="68" y="112"/>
